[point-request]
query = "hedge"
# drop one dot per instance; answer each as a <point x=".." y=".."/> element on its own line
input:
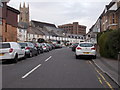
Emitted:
<point x="109" y="43"/>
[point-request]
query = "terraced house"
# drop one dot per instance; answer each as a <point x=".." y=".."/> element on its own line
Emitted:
<point x="8" y="29"/>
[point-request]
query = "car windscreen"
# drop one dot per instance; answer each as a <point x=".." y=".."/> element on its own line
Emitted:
<point x="4" y="45"/>
<point x="23" y="45"/>
<point x="86" y="45"/>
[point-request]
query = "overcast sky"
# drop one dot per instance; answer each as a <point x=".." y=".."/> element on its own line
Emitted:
<point x="59" y="12"/>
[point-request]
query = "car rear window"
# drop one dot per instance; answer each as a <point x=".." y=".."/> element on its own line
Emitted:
<point x="86" y="45"/>
<point x="4" y="45"/>
<point x="75" y="44"/>
<point x="23" y="44"/>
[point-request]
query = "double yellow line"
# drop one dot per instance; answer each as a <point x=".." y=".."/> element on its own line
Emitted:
<point x="109" y="85"/>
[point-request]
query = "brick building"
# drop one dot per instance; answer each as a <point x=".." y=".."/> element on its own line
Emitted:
<point x="74" y="28"/>
<point x="8" y="24"/>
<point x="109" y="17"/>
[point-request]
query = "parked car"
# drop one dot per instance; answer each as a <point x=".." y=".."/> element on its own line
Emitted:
<point x="74" y="46"/>
<point x="86" y="49"/>
<point x="11" y="51"/>
<point x="53" y="47"/>
<point x="29" y="48"/>
<point x="39" y="47"/>
<point x="58" y="46"/>
<point x="45" y="47"/>
<point x="49" y="46"/>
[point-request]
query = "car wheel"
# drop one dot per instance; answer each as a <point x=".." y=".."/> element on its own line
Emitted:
<point x="94" y="57"/>
<point x="15" y="60"/>
<point x="30" y="55"/>
<point x="36" y="54"/>
<point x="77" y="57"/>
<point x="25" y="56"/>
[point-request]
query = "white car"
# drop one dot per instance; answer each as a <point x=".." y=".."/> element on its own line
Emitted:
<point x="86" y="49"/>
<point x="11" y="51"/>
<point x="45" y="47"/>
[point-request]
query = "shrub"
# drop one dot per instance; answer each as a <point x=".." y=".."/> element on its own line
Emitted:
<point x="109" y="43"/>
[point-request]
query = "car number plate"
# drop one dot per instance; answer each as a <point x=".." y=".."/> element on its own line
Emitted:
<point x="86" y="53"/>
<point x="1" y="54"/>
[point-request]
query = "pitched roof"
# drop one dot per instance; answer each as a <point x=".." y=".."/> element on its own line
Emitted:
<point x="33" y="30"/>
<point x="13" y="9"/>
<point x="41" y="24"/>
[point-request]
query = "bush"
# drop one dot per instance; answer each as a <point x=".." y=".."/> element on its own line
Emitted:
<point x="109" y="43"/>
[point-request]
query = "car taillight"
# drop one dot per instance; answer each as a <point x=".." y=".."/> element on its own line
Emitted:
<point x="78" y="48"/>
<point x="44" y="46"/>
<point x="93" y="49"/>
<point x="11" y="50"/>
<point x="27" y="48"/>
<point x="36" y="45"/>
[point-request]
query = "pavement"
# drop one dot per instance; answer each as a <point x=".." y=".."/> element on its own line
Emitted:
<point x="110" y="67"/>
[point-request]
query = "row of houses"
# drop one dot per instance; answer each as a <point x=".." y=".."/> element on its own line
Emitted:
<point x="108" y="20"/>
<point x="46" y="31"/>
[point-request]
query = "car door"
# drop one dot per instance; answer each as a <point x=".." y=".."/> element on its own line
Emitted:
<point x="32" y="48"/>
<point x="20" y="51"/>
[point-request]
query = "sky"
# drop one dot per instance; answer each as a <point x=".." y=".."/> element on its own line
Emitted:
<point x="59" y="12"/>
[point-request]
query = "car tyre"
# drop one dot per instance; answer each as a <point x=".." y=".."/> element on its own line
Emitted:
<point x="30" y="55"/>
<point x="25" y="56"/>
<point x="36" y="54"/>
<point x="77" y="57"/>
<point x="94" y="57"/>
<point x="15" y="60"/>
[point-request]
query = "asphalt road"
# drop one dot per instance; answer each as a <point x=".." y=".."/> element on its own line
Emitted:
<point x="55" y="69"/>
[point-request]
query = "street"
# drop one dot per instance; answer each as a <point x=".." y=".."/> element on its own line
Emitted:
<point x="55" y="69"/>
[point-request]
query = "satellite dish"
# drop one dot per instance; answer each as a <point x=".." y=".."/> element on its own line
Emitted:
<point x="4" y="1"/>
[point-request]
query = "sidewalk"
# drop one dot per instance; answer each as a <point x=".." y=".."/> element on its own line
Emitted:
<point x="109" y="67"/>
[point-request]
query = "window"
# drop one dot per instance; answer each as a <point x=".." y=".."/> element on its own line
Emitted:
<point x="5" y="27"/>
<point x="1" y="4"/>
<point x="4" y="45"/>
<point x="0" y="21"/>
<point x="86" y="45"/>
<point x="113" y="18"/>
<point x="20" y="30"/>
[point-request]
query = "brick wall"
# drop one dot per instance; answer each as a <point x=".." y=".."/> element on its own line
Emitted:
<point x="9" y="32"/>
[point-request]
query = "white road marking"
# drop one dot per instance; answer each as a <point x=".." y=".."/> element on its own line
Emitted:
<point x="48" y="58"/>
<point x="31" y="71"/>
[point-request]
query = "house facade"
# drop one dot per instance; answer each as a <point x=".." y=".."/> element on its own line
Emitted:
<point x="22" y="31"/>
<point x="109" y="17"/>
<point x="9" y="29"/>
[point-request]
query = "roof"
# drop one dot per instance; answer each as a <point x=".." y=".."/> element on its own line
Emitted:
<point x="41" y="24"/>
<point x="13" y="9"/>
<point x="34" y="30"/>
<point x="110" y="5"/>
